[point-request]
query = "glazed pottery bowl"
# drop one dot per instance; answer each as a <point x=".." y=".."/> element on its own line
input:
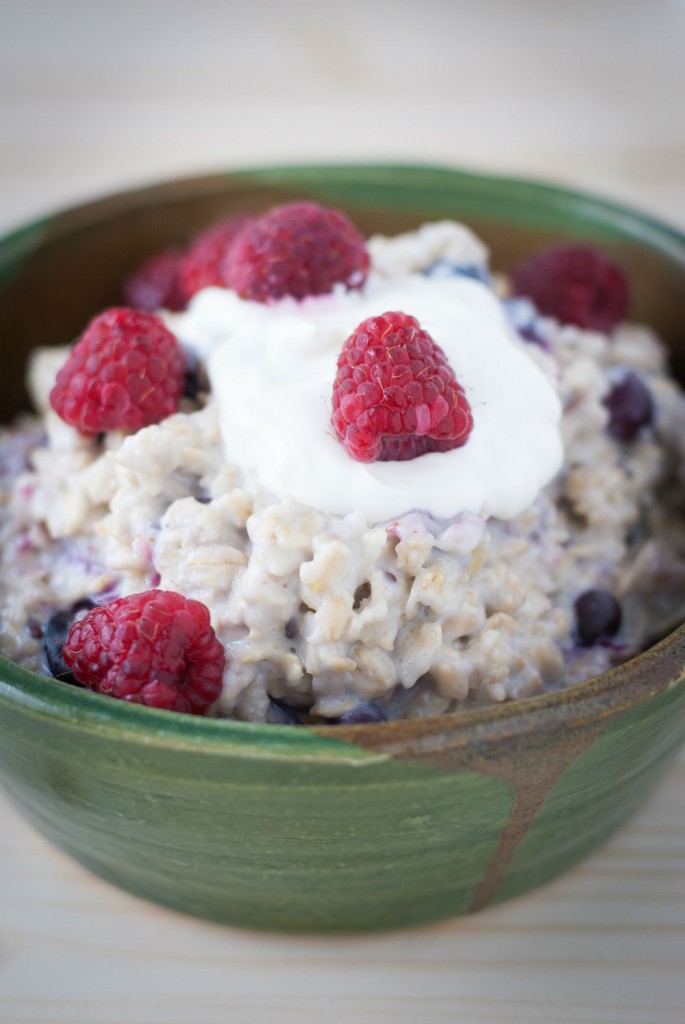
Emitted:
<point x="336" y="829"/>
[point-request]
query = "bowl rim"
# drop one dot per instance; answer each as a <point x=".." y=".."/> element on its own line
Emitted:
<point x="600" y="696"/>
<point x="617" y="218"/>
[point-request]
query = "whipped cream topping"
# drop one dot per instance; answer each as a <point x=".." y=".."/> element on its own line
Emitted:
<point x="272" y="367"/>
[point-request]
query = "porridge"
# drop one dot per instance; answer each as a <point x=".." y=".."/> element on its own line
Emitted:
<point x="396" y="485"/>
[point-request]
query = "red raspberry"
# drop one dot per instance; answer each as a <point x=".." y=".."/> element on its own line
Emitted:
<point x="156" y="283"/>
<point x="395" y="396"/>
<point x="203" y="263"/>
<point x="126" y="371"/>
<point x="156" y="648"/>
<point x="299" y="249"/>
<point x="576" y="284"/>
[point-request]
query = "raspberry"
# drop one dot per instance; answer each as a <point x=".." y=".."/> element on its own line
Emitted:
<point x="156" y="648"/>
<point x="125" y="372"/>
<point x="576" y="284"/>
<point x="299" y="249"/>
<point x="156" y="284"/>
<point x="395" y="396"/>
<point x="202" y="266"/>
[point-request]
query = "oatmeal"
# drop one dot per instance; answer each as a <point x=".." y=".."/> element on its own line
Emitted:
<point x="545" y="548"/>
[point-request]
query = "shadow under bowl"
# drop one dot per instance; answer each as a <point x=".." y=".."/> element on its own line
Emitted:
<point x="336" y="829"/>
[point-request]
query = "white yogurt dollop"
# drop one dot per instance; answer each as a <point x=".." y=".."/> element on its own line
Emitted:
<point x="272" y="367"/>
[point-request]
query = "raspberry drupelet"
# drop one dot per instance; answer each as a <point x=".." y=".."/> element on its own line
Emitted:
<point x="395" y="397"/>
<point x="156" y="648"/>
<point x="125" y="372"/>
<point x="575" y="284"/>
<point x="296" y="250"/>
<point x="203" y="264"/>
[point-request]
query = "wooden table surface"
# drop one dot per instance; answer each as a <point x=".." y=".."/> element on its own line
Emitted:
<point x="97" y="96"/>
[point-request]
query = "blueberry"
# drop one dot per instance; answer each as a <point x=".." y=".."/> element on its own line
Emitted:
<point x="281" y="714"/>
<point x="630" y="407"/>
<point x="445" y="268"/>
<point x="533" y="335"/>
<point x="598" y="616"/>
<point x="292" y="628"/>
<point x="362" y="713"/>
<point x="191" y="383"/>
<point x="54" y="634"/>
<point x="195" y="380"/>
<point x="525" y="319"/>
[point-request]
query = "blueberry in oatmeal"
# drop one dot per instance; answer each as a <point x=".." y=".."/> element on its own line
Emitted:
<point x="630" y="407"/>
<point x="598" y="616"/>
<point x="53" y="635"/>
<point x="370" y="484"/>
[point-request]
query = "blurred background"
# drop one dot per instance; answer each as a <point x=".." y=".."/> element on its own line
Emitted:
<point x="96" y="96"/>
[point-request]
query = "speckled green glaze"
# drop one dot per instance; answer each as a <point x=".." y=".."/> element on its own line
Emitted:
<point x="338" y="829"/>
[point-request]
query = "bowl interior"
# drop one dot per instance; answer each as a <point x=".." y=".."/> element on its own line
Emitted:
<point x="57" y="273"/>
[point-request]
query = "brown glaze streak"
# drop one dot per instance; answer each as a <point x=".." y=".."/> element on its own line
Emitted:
<point x="531" y="765"/>
<point x="532" y="781"/>
<point x="527" y="744"/>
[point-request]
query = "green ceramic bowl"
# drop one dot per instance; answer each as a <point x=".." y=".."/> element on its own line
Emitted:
<point x="343" y="829"/>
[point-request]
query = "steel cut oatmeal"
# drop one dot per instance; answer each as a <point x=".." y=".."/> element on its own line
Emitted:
<point x="398" y="485"/>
